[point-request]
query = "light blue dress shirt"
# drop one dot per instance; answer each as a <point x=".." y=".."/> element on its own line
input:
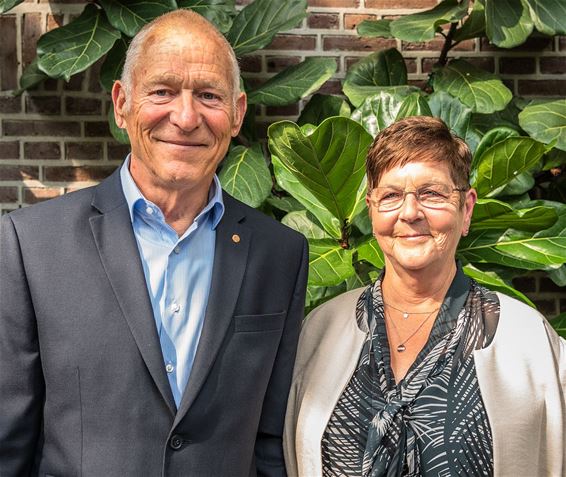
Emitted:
<point x="178" y="273"/>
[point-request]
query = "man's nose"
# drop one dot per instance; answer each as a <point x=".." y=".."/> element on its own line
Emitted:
<point x="410" y="208"/>
<point x="185" y="114"/>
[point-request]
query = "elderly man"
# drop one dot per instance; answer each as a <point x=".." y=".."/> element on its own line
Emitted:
<point x="148" y="325"/>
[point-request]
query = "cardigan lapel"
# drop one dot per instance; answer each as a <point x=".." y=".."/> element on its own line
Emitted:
<point x="230" y="259"/>
<point x="117" y="247"/>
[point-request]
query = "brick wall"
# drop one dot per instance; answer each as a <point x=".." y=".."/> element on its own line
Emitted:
<point x="56" y="139"/>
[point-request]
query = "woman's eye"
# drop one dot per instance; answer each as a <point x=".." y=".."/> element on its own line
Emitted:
<point x="431" y="194"/>
<point x="391" y="196"/>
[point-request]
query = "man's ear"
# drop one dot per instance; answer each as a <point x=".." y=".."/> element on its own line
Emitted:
<point x="239" y="114"/>
<point x="119" y="101"/>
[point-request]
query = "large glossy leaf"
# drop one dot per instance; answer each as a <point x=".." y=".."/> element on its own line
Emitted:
<point x="6" y="5"/>
<point x="329" y="263"/>
<point x="302" y="221"/>
<point x="294" y="83"/>
<point x="492" y="214"/>
<point x="245" y="175"/>
<point x="72" y="48"/>
<point x="129" y="16"/>
<point x="369" y="251"/>
<point x="546" y="122"/>
<point x="258" y="22"/>
<point x="290" y="182"/>
<point x="483" y="92"/>
<point x="494" y="282"/>
<point x="218" y="12"/>
<point x="493" y="136"/>
<point x="378" y="111"/>
<point x="559" y="324"/>
<point x="285" y="203"/>
<point x="121" y="135"/>
<point x="558" y="276"/>
<point x="322" y="106"/>
<point x="508" y="22"/>
<point x="330" y="163"/>
<point x="509" y="117"/>
<point x="549" y="16"/>
<point x="31" y="76"/>
<point x="358" y="94"/>
<point x="413" y="105"/>
<point x="423" y="26"/>
<point x="111" y="69"/>
<point x="452" y="111"/>
<point x="474" y="26"/>
<point x="375" y="28"/>
<point x="503" y="161"/>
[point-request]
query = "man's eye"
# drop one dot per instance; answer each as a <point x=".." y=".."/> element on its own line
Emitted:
<point x="208" y="96"/>
<point x="161" y="93"/>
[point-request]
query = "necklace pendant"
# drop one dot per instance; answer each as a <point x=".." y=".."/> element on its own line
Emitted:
<point x="405" y="315"/>
<point x="401" y="348"/>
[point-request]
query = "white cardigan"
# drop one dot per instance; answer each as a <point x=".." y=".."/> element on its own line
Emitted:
<point x="521" y="375"/>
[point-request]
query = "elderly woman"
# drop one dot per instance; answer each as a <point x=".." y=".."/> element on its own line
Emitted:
<point x="425" y="372"/>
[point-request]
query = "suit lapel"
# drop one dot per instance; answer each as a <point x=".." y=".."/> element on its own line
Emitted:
<point x="119" y="254"/>
<point x="230" y="259"/>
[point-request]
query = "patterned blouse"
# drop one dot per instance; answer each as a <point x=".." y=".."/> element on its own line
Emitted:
<point x="433" y="422"/>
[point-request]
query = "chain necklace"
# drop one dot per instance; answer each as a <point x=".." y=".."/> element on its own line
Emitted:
<point x="401" y="347"/>
<point x="407" y="313"/>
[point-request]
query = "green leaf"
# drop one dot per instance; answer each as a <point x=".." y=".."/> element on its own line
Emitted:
<point x="493" y="136"/>
<point x="509" y="117"/>
<point x="452" y="111"/>
<point x="503" y="161"/>
<point x="413" y="105"/>
<point x="330" y="163"/>
<point x="286" y="204"/>
<point x="218" y="12"/>
<point x="378" y="111"/>
<point x="294" y="83"/>
<point x="558" y="276"/>
<point x="559" y="324"/>
<point x="31" y="76"/>
<point x="492" y="214"/>
<point x="369" y="251"/>
<point x="423" y="26"/>
<point x="258" y="22"/>
<point x="72" y="48"/>
<point x="521" y="184"/>
<point x="290" y="182"/>
<point x="508" y="22"/>
<point x="111" y="69"/>
<point x="555" y="158"/>
<point x="322" y="106"/>
<point x="474" y="26"/>
<point x="129" y="16"/>
<point x="329" y="263"/>
<point x="302" y="221"/>
<point x="121" y="135"/>
<point x="482" y="91"/>
<point x="549" y="16"/>
<point x="545" y="121"/>
<point x="6" y="5"/>
<point x="358" y="94"/>
<point x="494" y="282"/>
<point x="245" y="175"/>
<point x="375" y="28"/>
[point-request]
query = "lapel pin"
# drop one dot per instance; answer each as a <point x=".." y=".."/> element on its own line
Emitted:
<point x="235" y="238"/>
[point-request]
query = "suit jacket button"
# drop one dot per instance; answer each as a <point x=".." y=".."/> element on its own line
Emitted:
<point x="176" y="442"/>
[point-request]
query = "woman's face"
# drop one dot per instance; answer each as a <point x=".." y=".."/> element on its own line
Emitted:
<point x="414" y="237"/>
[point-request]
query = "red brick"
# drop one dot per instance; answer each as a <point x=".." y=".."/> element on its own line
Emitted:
<point x="78" y="174"/>
<point x="51" y="84"/>
<point x="411" y="64"/>
<point x="279" y="63"/>
<point x="19" y="173"/>
<point x="293" y="42"/>
<point x="332" y="86"/>
<point x="537" y="43"/>
<point x="10" y="104"/>
<point x="334" y="3"/>
<point x="553" y="65"/>
<point x="94" y="85"/>
<point x="402" y="4"/>
<point x="250" y="64"/>
<point x="31" y="31"/>
<point x="8" y="194"/>
<point x="542" y="87"/>
<point x="97" y="129"/>
<point x="43" y="104"/>
<point x="323" y="20"/>
<point x="562" y="43"/>
<point x="83" y="106"/>
<point x="289" y="110"/>
<point x="33" y="195"/>
<point x="352" y="20"/>
<point x="517" y="66"/>
<point x="485" y="63"/>
<point x="525" y="284"/>
<point x="547" y="285"/>
<point x="117" y="151"/>
<point x="54" y="21"/>
<point x="356" y="43"/>
<point x="83" y="150"/>
<point x="75" y="83"/>
<point x="42" y="150"/>
<point x="9" y="150"/>
<point x="41" y="128"/>
<point x="420" y="83"/>
<point x="8" y="53"/>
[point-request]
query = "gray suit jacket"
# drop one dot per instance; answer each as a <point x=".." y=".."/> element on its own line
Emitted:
<point x="83" y="390"/>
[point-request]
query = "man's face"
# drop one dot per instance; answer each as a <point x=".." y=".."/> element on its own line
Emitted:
<point x="180" y="113"/>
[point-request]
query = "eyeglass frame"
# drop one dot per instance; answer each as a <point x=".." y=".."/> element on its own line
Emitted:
<point x="417" y="198"/>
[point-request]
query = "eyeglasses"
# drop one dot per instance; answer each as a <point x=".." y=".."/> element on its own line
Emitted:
<point x="431" y="196"/>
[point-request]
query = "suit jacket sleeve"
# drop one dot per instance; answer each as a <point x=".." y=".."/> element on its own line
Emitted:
<point x="269" y="448"/>
<point x="21" y="378"/>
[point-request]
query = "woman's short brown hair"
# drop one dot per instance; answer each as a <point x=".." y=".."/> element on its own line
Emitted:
<point x="418" y="138"/>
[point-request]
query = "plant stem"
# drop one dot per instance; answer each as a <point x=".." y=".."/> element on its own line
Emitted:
<point x="443" y="58"/>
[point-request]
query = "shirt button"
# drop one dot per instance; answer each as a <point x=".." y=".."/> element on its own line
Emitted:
<point x="149" y="210"/>
<point x="177" y="250"/>
<point x="175" y="307"/>
<point x="169" y="368"/>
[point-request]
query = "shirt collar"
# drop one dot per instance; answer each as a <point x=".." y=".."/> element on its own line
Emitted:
<point x="133" y="196"/>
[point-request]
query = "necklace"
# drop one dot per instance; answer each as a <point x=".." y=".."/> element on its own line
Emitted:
<point x="407" y="313"/>
<point x="401" y="347"/>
